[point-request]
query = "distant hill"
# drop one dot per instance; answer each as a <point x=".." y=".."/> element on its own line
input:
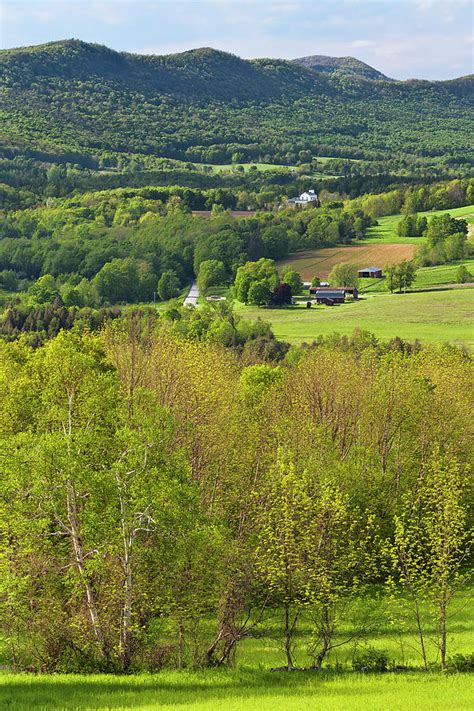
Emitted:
<point x="347" y="65"/>
<point x="74" y="98"/>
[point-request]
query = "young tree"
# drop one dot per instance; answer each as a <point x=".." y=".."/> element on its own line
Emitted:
<point x="280" y="507"/>
<point x="400" y="276"/>
<point x="211" y="273"/>
<point x="344" y="275"/>
<point x="293" y="279"/>
<point x="168" y="285"/>
<point x="463" y="275"/>
<point x="431" y="543"/>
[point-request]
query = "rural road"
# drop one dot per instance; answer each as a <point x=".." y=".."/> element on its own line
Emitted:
<point x="192" y="297"/>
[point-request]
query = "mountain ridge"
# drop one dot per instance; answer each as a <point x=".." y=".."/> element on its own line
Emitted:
<point x="320" y="64"/>
<point x="206" y="105"/>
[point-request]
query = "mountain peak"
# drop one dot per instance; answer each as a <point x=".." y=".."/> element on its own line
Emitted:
<point x="345" y="65"/>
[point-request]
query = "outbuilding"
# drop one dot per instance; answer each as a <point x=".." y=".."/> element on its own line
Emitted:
<point x="346" y="290"/>
<point x="370" y="273"/>
<point x="329" y="296"/>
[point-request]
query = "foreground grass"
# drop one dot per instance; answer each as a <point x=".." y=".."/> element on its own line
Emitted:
<point x="434" y="317"/>
<point x="234" y="690"/>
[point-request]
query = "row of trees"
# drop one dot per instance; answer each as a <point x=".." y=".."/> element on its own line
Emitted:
<point x="161" y="501"/>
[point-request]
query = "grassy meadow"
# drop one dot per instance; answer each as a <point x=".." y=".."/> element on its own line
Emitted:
<point x="431" y="316"/>
<point x="252" y="690"/>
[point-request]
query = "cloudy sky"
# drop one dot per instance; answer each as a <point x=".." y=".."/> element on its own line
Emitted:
<point x="431" y="39"/>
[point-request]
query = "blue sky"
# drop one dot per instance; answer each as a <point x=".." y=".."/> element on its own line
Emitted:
<point x="431" y="39"/>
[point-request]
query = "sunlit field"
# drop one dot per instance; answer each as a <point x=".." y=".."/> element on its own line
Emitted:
<point x="236" y="690"/>
<point x="431" y="316"/>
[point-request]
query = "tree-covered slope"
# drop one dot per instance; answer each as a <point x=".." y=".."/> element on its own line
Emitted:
<point x="347" y="65"/>
<point x="210" y="106"/>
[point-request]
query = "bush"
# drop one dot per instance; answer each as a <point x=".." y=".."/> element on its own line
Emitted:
<point x="370" y="660"/>
<point x="461" y="663"/>
<point x="463" y="275"/>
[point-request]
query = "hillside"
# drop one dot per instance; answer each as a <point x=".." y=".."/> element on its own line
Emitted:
<point x="210" y="106"/>
<point x="346" y="65"/>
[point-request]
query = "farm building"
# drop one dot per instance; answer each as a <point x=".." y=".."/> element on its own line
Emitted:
<point x="370" y="273"/>
<point x="346" y="290"/>
<point x="332" y="296"/>
<point x="306" y="199"/>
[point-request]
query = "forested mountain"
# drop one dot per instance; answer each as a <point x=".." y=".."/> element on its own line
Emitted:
<point x="93" y="106"/>
<point x="346" y="65"/>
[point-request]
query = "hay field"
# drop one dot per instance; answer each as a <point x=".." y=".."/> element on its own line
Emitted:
<point x="320" y="261"/>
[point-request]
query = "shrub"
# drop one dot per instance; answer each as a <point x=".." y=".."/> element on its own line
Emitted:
<point x="461" y="663"/>
<point x="371" y="660"/>
<point x="463" y="275"/>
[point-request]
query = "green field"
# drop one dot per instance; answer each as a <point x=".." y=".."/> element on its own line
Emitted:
<point x="236" y="690"/>
<point x="386" y="230"/>
<point x="435" y="316"/>
<point x="426" y="278"/>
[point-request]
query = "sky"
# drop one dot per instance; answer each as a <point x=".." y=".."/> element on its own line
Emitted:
<point x="426" y="39"/>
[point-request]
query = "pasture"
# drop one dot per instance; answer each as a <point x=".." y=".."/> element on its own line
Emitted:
<point x="429" y="316"/>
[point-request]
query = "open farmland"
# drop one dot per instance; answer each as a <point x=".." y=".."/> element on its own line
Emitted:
<point x="321" y="261"/>
<point x="430" y="316"/>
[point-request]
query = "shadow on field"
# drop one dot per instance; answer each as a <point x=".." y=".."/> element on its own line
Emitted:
<point x="109" y="692"/>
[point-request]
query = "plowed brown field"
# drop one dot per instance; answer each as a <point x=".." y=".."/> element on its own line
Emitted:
<point x="320" y="261"/>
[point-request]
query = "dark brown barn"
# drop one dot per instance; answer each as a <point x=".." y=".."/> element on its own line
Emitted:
<point x="345" y="290"/>
<point x="370" y="273"/>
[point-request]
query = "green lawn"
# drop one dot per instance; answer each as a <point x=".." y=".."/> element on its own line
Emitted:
<point x="386" y="230"/>
<point x="251" y="690"/>
<point x="432" y="316"/>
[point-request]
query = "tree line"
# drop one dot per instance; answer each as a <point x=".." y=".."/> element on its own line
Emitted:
<point x="161" y="499"/>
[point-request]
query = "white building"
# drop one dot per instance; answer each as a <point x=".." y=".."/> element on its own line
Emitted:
<point x="305" y="199"/>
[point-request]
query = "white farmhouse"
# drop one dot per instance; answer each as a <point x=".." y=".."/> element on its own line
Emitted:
<point x="307" y="199"/>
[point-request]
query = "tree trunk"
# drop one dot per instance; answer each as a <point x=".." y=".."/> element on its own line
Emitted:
<point x="288" y="635"/>
<point x="326" y="632"/>
<point x="442" y="622"/>
<point x="420" y="634"/>
<point x="127" y="539"/>
<point x="79" y="560"/>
